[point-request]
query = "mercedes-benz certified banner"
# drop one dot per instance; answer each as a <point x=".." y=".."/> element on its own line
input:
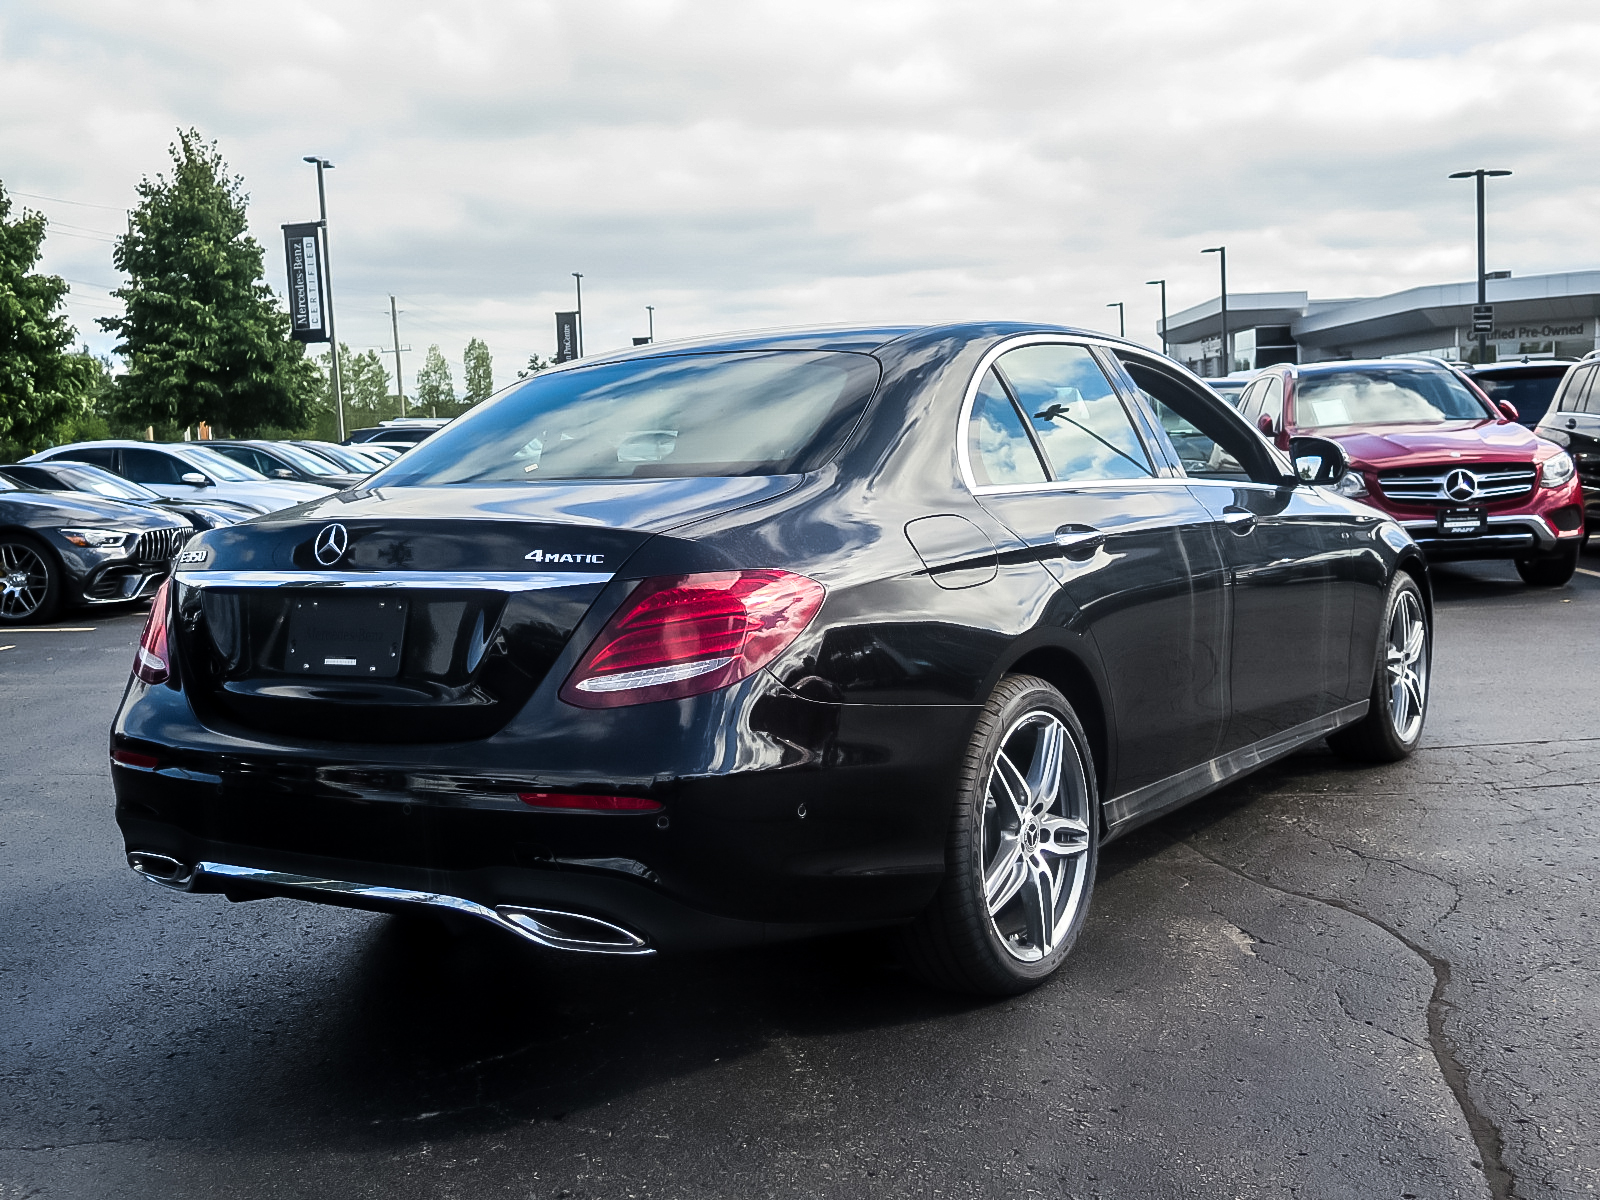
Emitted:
<point x="566" y="336"/>
<point x="303" y="250"/>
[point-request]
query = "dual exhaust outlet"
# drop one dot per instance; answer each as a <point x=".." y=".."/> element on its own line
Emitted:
<point x="550" y="928"/>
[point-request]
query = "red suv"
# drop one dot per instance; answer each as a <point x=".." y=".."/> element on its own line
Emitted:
<point x="1431" y="450"/>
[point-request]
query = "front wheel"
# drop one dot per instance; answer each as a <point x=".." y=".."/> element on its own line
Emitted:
<point x="1023" y="846"/>
<point x="1398" y="704"/>
<point x="1554" y="571"/>
<point x="30" y="581"/>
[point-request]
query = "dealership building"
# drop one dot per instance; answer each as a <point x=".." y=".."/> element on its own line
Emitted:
<point x="1537" y="316"/>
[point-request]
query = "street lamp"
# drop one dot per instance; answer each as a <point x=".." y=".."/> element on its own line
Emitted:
<point x="579" y="277"/>
<point x="1163" y="284"/>
<point x="1483" y="291"/>
<point x="323" y="164"/>
<point x="1122" y="325"/>
<point x="1227" y="358"/>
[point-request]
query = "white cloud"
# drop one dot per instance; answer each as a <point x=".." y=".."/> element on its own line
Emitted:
<point x="746" y="162"/>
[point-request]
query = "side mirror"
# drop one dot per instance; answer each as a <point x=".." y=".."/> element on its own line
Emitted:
<point x="1509" y="409"/>
<point x="195" y="479"/>
<point x="1264" y="423"/>
<point x="1318" y="461"/>
<point x="282" y="473"/>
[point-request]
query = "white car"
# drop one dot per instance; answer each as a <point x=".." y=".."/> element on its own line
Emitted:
<point x="187" y="471"/>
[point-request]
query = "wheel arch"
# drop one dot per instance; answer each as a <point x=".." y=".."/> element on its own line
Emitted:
<point x="1414" y="565"/>
<point x="1070" y="676"/>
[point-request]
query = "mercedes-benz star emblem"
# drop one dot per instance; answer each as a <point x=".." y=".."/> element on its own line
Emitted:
<point x="1460" y="485"/>
<point x="331" y="544"/>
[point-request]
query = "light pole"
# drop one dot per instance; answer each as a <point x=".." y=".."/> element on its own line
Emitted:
<point x="650" y="309"/>
<point x="1227" y="359"/>
<point x="1483" y="289"/>
<point x="1163" y="283"/>
<point x="579" y="277"/>
<point x="323" y="164"/>
<point x="1122" y="325"/>
<point x="399" y="379"/>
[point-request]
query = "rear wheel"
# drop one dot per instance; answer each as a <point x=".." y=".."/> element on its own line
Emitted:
<point x="1022" y="850"/>
<point x="30" y="581"/>
<point x="1399" y="701"/>
<point x="1554" y="571"/>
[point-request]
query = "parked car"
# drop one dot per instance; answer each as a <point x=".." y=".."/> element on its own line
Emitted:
<point x="60" y="548"/>
<point x="402" y="431"/>
<point x="349" y="458"/>
<point x="1573" y="422"/>
<point x="1231" y="387"/>
<point x="285" y="460"/>
<point x="64" y="476"/>
<point x="1436" y="454"/>
<point x="766" y="636"/>
<point x="384" y="452"/>
<point x="185" y="470"/>
<point x="1528" y="386"/>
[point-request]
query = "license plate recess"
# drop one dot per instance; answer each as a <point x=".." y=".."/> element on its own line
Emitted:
<point x="1463" y="522"/>
<point x="346" y="635"/>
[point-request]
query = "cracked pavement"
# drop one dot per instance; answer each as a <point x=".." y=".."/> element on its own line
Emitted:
<point x="1325" y="981"/>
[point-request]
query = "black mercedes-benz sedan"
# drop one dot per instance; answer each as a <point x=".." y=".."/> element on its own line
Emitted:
<point x="762" y="636"/>
<point x="59" y="549"/>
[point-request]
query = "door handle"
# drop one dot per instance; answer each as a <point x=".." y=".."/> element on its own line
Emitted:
<point x="1572" y="423"/>
<point x="1239" y="520"/>
<point x="1079" y="542"/>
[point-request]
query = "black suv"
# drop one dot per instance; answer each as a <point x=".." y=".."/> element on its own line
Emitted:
<point x="1573" y="421"/>
<point x="1527" y="385"/>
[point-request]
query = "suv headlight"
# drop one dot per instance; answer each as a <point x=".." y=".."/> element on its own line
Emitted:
<point x="1557" y="470"/>
<point x="1353" y="485"/>
<point x="99" y="539"/>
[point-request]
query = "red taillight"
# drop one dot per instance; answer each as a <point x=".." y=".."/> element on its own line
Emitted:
<point x="131" y="758"/>
<point x="680" y="635"/>
<point x="573" y="802"/>
<point x="150" y="664"/>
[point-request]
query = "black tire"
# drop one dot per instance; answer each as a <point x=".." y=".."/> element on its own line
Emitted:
<point x="1555" y="571"/>
<point x="962" y="942"/>
<point x="1402" y="675"/>
<point x="30" y="581"/>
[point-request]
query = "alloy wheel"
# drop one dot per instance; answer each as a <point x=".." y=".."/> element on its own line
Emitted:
<point x="1035" y="837"/>
<point x="1406" y="661"/>
<point x="24" y="581"/>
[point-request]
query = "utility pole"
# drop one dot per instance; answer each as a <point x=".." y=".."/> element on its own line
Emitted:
<point x="651" y="310"/>
<point x="579" y="278"/>
<point x="327" y="288"/>
<point x="1163" y="283"/>
<point x="399" y="379"/>
<point x="1483" y="277"/>
<point x="1227" y="357"/>
<point x="1122" y="324"/>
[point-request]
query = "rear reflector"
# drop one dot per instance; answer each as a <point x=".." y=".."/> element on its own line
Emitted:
<point x="150" y="664"/>
<point x="573" y="802"/>
<point x="680" y="635"/>
<point x="129" y="758"/>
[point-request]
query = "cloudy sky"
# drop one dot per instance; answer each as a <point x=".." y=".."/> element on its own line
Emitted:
<point x="742" y="163"/>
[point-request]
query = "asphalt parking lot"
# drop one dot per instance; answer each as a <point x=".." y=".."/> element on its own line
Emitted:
<point x="1325" y="982"/>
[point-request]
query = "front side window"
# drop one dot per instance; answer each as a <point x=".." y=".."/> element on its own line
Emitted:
<point x="997" y="441"/>
<point x="1374" y="396"/>
<point x="1210" y="443"/>
<point x="1077" y="416"/>
<point x="769" y="412"/>
<point x="152" y="466"/>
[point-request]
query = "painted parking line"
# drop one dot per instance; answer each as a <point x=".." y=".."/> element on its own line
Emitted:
<point x="1586" y="571"/>
<point x="64" y="629"/>
<point x="7" y="647"/>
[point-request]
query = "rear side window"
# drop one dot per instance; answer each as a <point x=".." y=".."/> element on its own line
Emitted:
<point x="36" y="477"/>
<point x="1078" y="418"/>
<point x="998" y="444"/>
<point x="1272" y="402"/>
<point x="151" y="466"/>
<point x="99" y="456"/>
<point x="769" y="412"/>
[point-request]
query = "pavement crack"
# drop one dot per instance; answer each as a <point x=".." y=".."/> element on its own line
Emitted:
<point x="1486" y="1135"/>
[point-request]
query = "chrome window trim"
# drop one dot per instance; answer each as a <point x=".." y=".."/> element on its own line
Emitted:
<point x="1016" y="342"/>
<point x="495" y="581"/>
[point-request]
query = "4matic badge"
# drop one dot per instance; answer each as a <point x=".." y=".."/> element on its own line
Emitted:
<point x="546" y="556"/>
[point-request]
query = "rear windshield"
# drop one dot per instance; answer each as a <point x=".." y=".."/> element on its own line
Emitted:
<point x="1530" y="392"/>
<point x="749" y="413"/>
<point x="1384" y="397"/>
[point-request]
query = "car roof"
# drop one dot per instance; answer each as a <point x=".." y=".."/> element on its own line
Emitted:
<point x="1368" y="364"/>
<point x="1537" y="366"/>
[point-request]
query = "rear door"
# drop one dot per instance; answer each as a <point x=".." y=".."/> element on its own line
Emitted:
<point x="1058" y="458"/>
<point x="1578" y="418"/>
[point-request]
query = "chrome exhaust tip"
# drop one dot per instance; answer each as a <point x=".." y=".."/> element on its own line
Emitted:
<point x="556" y="930"/>
<point x="162" y="869"/>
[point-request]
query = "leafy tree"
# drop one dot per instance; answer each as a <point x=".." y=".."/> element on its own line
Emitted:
<point x="203" y="335"/>
<point x="435" y="388"/>
<point x="478" y="367"/>
<point x="42" y="385"/>
<point x="535" y="365"/>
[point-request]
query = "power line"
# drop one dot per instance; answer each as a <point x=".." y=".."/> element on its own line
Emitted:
<point x="59" y="200"/>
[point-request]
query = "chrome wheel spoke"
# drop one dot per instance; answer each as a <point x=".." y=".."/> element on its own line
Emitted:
<point x="1044" y="772"/>
<point x="1013" y="786"/>
<point x="1006" y="876"/>
<point x="1063" y="836"/>
<point x="1039" y="896"/>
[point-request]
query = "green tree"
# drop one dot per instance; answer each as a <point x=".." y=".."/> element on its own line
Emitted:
<point x="435" y="388"/>
<point x="535" y="365"/>
<point x="42" y="385"/>
<point x="478" y="368"/>
<point x="203" y="335"/>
